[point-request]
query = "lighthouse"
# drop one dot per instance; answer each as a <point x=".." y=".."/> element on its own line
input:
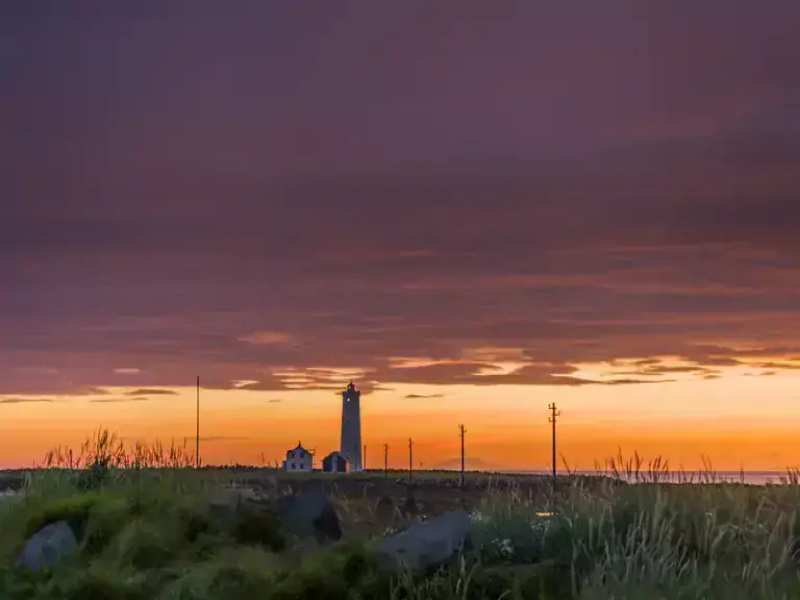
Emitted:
<point x="351" y="427"/>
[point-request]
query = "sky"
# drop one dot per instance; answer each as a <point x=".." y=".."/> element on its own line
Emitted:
<point x="471" y="209"/>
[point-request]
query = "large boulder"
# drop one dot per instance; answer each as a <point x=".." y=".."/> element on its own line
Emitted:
<point x="48" y="547"/>
<point x="427" y="544"/>
<point x="310" y="514"/>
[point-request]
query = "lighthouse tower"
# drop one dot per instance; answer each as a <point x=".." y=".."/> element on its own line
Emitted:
<point x="351" y="427"/>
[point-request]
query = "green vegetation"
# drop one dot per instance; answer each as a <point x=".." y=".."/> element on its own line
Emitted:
<point x="147" y="530"/>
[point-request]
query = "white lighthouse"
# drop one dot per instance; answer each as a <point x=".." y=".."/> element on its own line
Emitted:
<point x="351" y="427"/>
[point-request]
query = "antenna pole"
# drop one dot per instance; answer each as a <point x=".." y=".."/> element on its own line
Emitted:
<point x="554" y="414"/>
<point x="462" y="434"/>
<point x="386" y="460"/>
<point x="410" y="460"/>
<point x="197" y="434"/>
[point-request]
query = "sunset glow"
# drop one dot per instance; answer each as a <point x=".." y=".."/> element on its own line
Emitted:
<point x="739" y="420"/>
<point x="467" y="217"/>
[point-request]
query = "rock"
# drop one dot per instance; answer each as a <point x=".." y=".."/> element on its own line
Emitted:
<point x="48" y="547"/>
<point x="427" y="544"/>
<point x="310" y="513"/>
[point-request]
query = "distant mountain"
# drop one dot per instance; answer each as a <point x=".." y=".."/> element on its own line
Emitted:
<point x="472" y="464"/>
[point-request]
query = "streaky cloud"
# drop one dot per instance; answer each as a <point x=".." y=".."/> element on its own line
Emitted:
<point x="151" y="392"/>
<point x="120" y="400"/>
<point x="22" y="400"/>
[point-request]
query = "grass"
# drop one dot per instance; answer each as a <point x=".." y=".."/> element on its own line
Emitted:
<point x="146" y="531"/>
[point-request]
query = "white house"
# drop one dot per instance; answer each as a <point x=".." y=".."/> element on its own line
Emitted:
<point x="298" y="459"/>
<point x="335" y="462"/>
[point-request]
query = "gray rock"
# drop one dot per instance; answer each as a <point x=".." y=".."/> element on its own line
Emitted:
<point x="427" y="544"/>
<point x="310" y="513"/>
<point x="48" y="547"/>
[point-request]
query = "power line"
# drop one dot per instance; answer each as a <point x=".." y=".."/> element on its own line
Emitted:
<point x="197" y="433"/>
<point x="410" y="460"/>
<point x="462" y="434"/>
<point x="554" y="414"/>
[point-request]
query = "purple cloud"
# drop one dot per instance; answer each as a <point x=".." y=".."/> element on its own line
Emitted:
<point x="243" y="201"/>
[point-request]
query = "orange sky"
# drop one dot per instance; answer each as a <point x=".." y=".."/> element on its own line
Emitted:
<point x="739" y="420"/>
<point x="267" y="195"/>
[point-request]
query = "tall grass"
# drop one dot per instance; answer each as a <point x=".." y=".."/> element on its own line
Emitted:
<point x="105" y="458"/>
<point x="146" y="531"/>
<point x="642" y="534"/>
<point x="105" y="448"/>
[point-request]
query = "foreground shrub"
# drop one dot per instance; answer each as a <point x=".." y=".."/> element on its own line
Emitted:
<point x="151" y="533"/>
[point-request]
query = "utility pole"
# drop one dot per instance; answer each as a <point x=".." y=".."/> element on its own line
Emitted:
<point x="364" y="464"/>
<point x="462" y="433"/>
<point x="554" y="414"/>
<point x="386" y="460"/>
<point x="410" y="460"/>
<point x="197" y="435"/>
